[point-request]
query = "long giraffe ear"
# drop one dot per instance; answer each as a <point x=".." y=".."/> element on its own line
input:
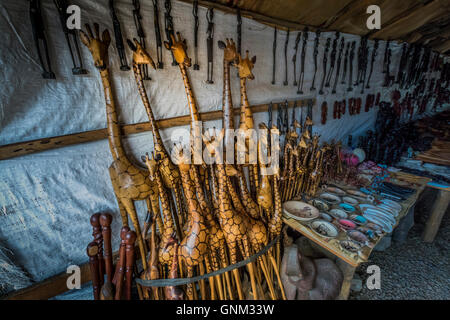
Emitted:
<point x="167" y="45"/>
<point x="221" y="44"/>
<point x="137" y="43"/>
<point x="254" y="59"/>
<point x="85" y="39"/>
<point x="106" y="38"/>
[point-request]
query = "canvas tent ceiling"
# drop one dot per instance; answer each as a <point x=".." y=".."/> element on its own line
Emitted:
<point x="425" y="22"/>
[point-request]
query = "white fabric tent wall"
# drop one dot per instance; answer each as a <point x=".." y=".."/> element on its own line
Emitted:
<point x="46" y="199"/>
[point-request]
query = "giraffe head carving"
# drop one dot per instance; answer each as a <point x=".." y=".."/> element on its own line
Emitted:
<point x="230" y="53"/>
<point x="302" y="143"/>
<point x="140" y="55"/>
<point x="98" y="47"/>
<point x="245" y="66"/>
<point x="178" y="48"/>
<point x="152" y="165"/>
<point x="181" y="158"/>
<point x="213" y="139"/>
<point x="308" y="121"/>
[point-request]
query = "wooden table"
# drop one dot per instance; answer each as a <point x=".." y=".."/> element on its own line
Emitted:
<point x="443" y="197"/>
<point x="346" y="260"/>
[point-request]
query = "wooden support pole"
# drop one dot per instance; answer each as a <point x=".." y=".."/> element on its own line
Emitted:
<point x="38" y="145"/>
<point x="434" y="221"/>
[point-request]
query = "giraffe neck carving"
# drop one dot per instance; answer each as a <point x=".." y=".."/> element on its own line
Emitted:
<point x="190" y="95"/>
<point x="227" y="102"/>
<point x="157" y="141"/>
<point x="246" y="121"/>
<point x="115" y="142"/>
<point x="169" y="226"/>
<point x="225" y="207"/>
<point x="276" y="222"/>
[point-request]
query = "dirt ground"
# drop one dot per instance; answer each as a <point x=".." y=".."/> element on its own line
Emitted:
<point x="414" y="269"/>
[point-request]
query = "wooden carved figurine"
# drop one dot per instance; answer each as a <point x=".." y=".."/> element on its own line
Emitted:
<point x="178" y="48"/>
<point x="264" y="191"/>
<point x="174" y="292"/>
<point x="165" y="252"/>
<point x="232" y="222"/>
<point x="194" y="246"/>
<point x="245" y="67"/>
<point x="216" y="242"/>
<point x="230" y="56"/>
<point x="130" y="182"/>
<point x="216" y="238"/>
<point x="169" y="171"/>
<point x="152" y="273"/>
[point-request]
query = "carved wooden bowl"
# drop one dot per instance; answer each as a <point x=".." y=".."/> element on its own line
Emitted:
<point x="300" y="211"/>
<point x="324" y="229"/>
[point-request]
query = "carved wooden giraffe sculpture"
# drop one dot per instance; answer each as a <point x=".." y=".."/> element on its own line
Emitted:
<point x="152" y="273"/>
<point x="256" y="231"/>
<point x="174" y="292"/>
<point x="231" y="56"/>
<point x="129" y="182"/>
<point x="178" y="48"/>
<point x="165" y="252"/>
<point x="264" y="191"/>
<point x="245" y="67"/>
<point x="194" y="246"/>
<point x="216" y="240"/>
<point x="169" y="171"/>
<point x="232" y="222"/>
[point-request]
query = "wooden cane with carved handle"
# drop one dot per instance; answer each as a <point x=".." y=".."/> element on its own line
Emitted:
<point x="92" y="252"/>
<point x="106" y="292"/>
<point x="98" y="238"/>
<point x="118" y="277"/>
<point x="130" y="239"/>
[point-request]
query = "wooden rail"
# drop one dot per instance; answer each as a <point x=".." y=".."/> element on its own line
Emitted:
<point x="23" y="148"/>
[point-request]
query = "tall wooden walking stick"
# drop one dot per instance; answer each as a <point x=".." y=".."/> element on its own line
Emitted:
<point x="120" y="267"/>
<point x="130" y="238"/>
<point x="98" y="238"/>
<point x="92" y="252"/>
<point x="106" y="292"/>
